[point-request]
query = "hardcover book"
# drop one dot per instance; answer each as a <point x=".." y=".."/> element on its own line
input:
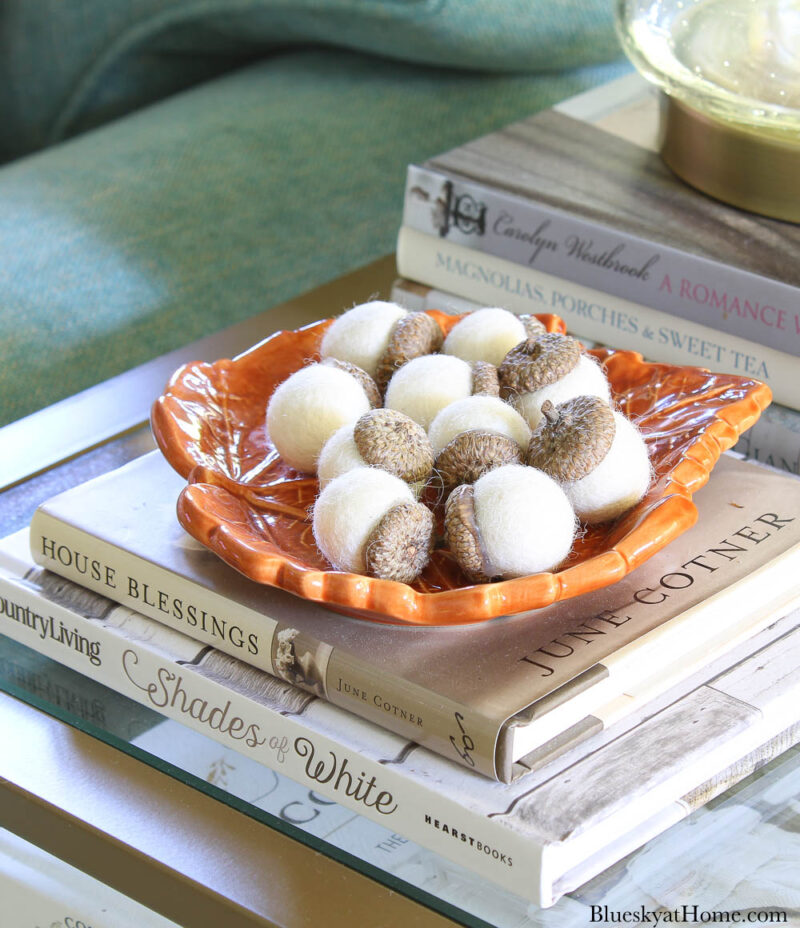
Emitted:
<point x="501" y="697"/>
<point x="612" y="321"/>
<point x="538" y="838"/>
<point x="577" y="194"/>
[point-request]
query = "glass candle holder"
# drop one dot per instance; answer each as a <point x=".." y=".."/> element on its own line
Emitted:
<point x="730" y="74"/>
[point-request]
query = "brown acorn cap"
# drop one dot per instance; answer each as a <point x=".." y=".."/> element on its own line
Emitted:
<point x="533" y="328"/>
<point x="413" y="335"/>
<point x="537" y="362"/>
<point x="572" y="438"/>
<point x="400" y="545"/>
<point x="463" y="537"/>
<point x="393" y="441"/>
<point x="484" y="379"/>
<point x="474" y="452"/>
<point x="368" y="384"/>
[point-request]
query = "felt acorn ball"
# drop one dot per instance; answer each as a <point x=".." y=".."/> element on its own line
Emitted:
<point x="311" y="404"/>
<point x="489" y="334"/>
<point x="367" y="521"/>
<point x="383" y="438"/>
<point x="474" y="435"/>
<point x="424" y="386"/>
<point x="380" y="337"/>
<point x="549" y="367"/>
<point x="513" y="521"/>
<point x="597" y="455"/>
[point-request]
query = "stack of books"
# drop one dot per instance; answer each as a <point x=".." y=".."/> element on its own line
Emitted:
<point x="537" y="749"/>
<point x="534" y="750"/>
<point x="573" y="212"/>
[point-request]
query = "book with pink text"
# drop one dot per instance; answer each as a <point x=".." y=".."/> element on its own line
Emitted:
<point x="579" y="194"/>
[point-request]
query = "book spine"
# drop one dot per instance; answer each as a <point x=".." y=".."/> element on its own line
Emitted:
<point x="617" y="263"/>
<point x="442" y="725"/>
<point x="614" y="322"/>
<point x="420" y="298"/>
<point x="279" y="741"/>
<point x="774" y="439"/>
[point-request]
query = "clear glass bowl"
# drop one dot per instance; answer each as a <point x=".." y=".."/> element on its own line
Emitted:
<point x="735" y="60"/>
<point x="730" y="72"/>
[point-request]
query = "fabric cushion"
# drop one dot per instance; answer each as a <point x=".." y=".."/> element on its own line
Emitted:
<point x="69" y="66"/>
<point x="206" y="208"/>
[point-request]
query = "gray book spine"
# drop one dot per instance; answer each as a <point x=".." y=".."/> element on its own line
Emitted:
<point x="604" y="248"/>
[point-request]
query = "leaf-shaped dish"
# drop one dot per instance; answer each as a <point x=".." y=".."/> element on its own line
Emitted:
<point x="243" y="503"/>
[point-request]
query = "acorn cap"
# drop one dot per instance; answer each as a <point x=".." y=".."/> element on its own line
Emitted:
<point x="474" y="452"/>
<point x="368" y="384"/>
<point x="572" y="438"/>
<point x="533" y="328"/>
<point x="537" y="363"/>
<point x="484" y="379"/>
<point x="393" y="441"/>
<point x="400" y="545"/>
<point x="463" y="537"/>
<point x="412" y="335"/>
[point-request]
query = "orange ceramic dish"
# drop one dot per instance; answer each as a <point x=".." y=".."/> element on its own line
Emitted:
<point x="244" y="504"/>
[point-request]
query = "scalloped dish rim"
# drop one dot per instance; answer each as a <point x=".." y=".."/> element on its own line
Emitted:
<point x="376" y="600"/>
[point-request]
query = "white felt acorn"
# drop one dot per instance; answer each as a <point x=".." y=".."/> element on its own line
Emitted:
<point x="367" y="521"/>
<point x="311" y="404"/>
<point x="549" y="367"/>
<point x="597" y="455"/>
<point x="383" y="438"/>
<point x="425" y="385"/>
<point x="489" y="334"/>
<point x="474" y="435"/>
<point x="380" y="337"/>
<point x="513" y="521"/>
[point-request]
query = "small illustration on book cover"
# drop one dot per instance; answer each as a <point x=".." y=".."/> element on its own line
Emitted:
<point x="300" y="660"/>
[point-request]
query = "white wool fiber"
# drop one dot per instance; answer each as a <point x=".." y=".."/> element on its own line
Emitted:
<point x="308" y="407"/>
<point x="489" y="413"/>
<point x="349" y="508"/>
<point x="618" y="482"/>
<point x="485" y="335"/>
<point x="361" y="334"/>
<point x="425" y="385"/>
<point x="585" y="379"/>
<point x="339" y="454"/>
<point x="525" y="520"/>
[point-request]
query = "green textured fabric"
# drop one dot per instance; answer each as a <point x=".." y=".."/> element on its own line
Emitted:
<point x="202" y="210"/>
<point x="67" y="65"/>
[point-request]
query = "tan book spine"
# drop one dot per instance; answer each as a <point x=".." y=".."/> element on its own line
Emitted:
<point x="445" y="726"/>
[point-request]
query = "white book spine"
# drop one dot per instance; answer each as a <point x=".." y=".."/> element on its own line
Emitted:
<point x="774" y="439"/>
<point x="522" y="840"/>
<point x="611" y="321"/>
<point x="139" y="671"/>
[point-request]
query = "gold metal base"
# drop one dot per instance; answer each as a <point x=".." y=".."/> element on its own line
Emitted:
<point x="750" y="169"/>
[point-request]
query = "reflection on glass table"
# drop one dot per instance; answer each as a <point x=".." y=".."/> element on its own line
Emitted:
<point x="739" y="853"/>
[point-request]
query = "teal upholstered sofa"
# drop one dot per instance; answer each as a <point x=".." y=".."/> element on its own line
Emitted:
<point x="169" y="167"/>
